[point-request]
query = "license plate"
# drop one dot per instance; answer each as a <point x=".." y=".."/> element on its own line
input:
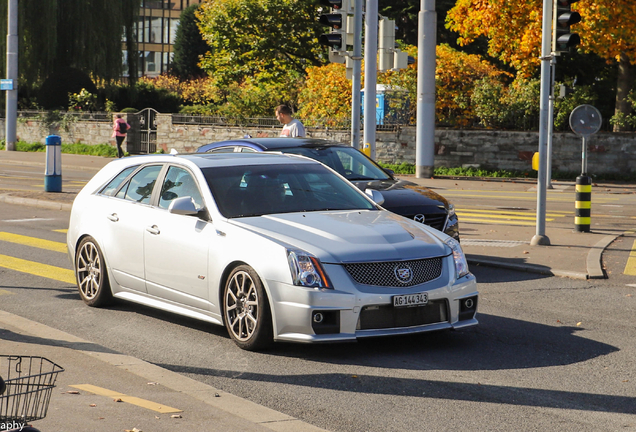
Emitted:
<point x="410" y="300"/>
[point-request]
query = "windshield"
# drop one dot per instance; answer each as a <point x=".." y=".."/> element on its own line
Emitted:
<point x="242" y="191"/>
<point x="346" y="161"/>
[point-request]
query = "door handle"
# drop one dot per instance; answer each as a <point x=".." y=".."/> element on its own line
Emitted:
<point x="153" y="230"/>
<point x="113" y="217"/>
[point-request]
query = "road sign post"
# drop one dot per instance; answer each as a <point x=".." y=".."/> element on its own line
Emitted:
<point x="585" y="120"/>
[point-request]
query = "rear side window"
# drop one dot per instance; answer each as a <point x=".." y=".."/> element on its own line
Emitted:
<point x="140" y="187"/>
<point x="111" y="188"/>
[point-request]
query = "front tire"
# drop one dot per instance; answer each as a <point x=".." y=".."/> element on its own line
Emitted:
<point x="91" y="274"/>
<point x="246" y="312"/>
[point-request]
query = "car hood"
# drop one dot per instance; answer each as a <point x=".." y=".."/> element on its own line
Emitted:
<point x="403" y="193"/>
<point x="349" y="236"/>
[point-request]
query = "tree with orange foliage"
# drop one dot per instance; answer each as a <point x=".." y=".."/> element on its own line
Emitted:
<point x="513" y="30"/>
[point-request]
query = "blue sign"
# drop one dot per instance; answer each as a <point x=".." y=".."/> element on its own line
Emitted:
<point x="6" y="84"/>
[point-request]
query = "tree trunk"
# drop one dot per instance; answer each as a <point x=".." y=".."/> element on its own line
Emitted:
<point x="624" y="85"/>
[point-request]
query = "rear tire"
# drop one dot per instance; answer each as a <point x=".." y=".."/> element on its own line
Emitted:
<point x="91" y="274"/>
<point x="246" y="311"/>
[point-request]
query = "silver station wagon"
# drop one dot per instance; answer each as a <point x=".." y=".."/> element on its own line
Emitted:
<point x="275" y="247"/>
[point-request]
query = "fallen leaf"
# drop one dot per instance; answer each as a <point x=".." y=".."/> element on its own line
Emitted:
<point x="559" y="321"/>
<point x="578" y="324"/>
<point x="117" y="400"/>
<point x="628" y="295"/>
<point x="72" y="392"/>
<point x="176" y="416"/>
<point x="526" y="252"/>
<point x="153" y="383"/>
<point x="93" y="405"/>
<point x="217" y="395"/>
<point x="354" y="376"/>
<point x="625" y="380"/>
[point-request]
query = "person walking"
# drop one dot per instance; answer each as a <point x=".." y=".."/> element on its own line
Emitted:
<point x="292" y="127"/>
<point x="120" y="129"/>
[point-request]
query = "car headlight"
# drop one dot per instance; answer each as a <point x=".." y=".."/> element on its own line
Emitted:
<point x="461" y="266"/>
<point x="451" y="210"/>
<point x="306" y="270"/>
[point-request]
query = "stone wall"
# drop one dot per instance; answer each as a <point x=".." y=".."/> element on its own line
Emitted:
<point x="507" y="150"/>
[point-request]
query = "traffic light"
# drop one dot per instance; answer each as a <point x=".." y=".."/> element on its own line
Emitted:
<point x="337" y="20"/>
<point x="564" y="17"/>
<point x="386" y="44"/>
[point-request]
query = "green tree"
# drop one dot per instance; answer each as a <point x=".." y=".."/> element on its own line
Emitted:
<point x="189" y="47"/>
<point x="269" y="40"/>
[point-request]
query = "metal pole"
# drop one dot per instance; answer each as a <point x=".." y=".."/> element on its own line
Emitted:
<point x="546" y="41"/>
<point x="426" y="61"/>
<point x="356" y="77"/>
<point x="551" y="122"/>
<point x="370" y="75"/>
<point x="12" y="74"/>
<point x="584" y="156"/>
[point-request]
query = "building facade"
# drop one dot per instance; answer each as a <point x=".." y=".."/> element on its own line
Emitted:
<point x="156" y="31"/>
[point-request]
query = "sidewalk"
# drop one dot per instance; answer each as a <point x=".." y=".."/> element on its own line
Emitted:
<point x="129" y="394"/>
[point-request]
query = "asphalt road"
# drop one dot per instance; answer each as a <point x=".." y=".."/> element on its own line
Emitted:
<point x="550" y="354"/>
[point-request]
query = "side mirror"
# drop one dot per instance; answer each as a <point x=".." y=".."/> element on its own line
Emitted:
<point x="183" y="206"/>
<point x="375" y="195"/>
<point x="390" y="172"/>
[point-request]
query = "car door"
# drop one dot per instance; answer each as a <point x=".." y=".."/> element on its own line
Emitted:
<point x="126" y="212"/>
<point x="176" y="246"/>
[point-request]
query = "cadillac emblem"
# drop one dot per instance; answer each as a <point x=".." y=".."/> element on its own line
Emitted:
<point x="419" y="218"/>
<point x="403" y="273"/>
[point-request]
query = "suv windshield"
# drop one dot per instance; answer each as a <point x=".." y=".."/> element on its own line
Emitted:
<point x="242" y="191"/>
<point x="346" y="161"/>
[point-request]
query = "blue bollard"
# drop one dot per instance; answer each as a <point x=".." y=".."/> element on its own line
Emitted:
<point x="53" y="171"/>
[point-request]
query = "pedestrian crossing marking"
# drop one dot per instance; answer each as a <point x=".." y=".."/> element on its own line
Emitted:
<point x="512" y="212"/>
<point x="125" y="398"/>
<point x="497" y="216"/>
<point x="502" y="222"/>
<point x="33" y="242"/>
<point x="630" y="267"/>
<point x="38" y="269"/>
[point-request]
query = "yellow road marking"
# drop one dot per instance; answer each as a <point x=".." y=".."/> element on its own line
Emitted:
<point x="562" y="198"/>
<point x="554" y="213"/>
<point x="38" y="269"/>
<point x="490" y="221"/>
<point x="498" y="216"/>
<point x="5" y="292"/>
<point x="34" y="242"/>
<point x="125" y="398"/>
<point x="64" y="231"/>
<point x="630" y="267"/>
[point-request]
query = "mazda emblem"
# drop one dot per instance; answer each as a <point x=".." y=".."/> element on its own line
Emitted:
<point x="419" y="218"/>
<point x="403" y="273"/>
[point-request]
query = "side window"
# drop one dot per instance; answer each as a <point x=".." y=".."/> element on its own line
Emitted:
<point x="139" y="188"/>
<point x="179" y="183"/>
<point x="222" y="150"/>
<point x="110" y="188"/>
<point x="247" y="150"/>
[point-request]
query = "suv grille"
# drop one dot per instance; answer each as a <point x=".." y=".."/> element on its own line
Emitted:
<point x="396" y="273"/>
<point x="436" y="220"/>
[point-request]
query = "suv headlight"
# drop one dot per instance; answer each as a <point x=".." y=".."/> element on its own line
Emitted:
<point x="306" y="270"/>
<point x="451" y="210"/>
<point x="461" y="266"/>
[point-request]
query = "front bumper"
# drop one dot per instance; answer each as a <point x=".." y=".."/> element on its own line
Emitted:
<point x="353" y="311"/>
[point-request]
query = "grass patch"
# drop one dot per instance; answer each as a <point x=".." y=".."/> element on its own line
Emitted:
<point x="104" y="150"/>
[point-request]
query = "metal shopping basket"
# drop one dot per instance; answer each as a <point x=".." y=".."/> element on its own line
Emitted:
<point x="29" y="384"/>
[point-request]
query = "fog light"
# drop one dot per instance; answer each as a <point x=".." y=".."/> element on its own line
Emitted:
<point x="325" y="322"/>
<point x="467" y="308"/>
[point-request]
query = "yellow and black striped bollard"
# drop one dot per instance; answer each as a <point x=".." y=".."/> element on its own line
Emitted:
<point x="583" y="203"/>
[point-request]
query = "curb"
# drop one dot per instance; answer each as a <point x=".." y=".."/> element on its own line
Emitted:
<point x="529" y="268"/>
<point x="218" y="399"/>
<point x="50" y="205"/>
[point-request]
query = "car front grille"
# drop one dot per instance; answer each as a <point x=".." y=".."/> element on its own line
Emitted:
<point x="436" y="220"/>
<point x="396" y="273"/>
<point x="387" y="316"/>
